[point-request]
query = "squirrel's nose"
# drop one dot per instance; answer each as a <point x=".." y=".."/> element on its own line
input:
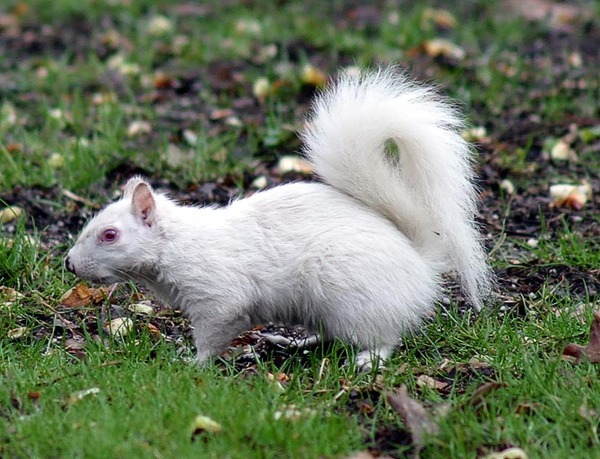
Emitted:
<point x="69" y="266"/>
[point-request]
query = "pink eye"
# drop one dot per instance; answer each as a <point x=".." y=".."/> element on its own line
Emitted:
<point x="109" y="236"/>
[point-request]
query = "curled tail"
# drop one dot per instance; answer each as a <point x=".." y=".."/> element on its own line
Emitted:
<point x="395" y="146"/>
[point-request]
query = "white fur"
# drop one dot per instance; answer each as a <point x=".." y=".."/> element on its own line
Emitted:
<point x="358" y="258"/>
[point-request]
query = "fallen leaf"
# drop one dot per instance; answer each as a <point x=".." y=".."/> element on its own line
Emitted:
<point x="591" y="352"/>
<point x="261" y="88"/>
<point x="313" y="76"/>
<point x="432" y="383"/>
<point x="572" y="196"/>
<point x="17" y="333"/>
<point x="475" y="134"/>
<point x="9" y="295"/>
<point x="361" y="455"/>
<point x="202" y="424"/>
<point x="141" y="308"/>
<point x="138" y="127"/>
<point x="527" y="408"/>
<point x="559" y="16"/>
<point x="81" y="394"/>
<point x="56" y="161"/>
<point x="102" y="98"/>
<point x="81" y="295"/>
<point x="176" y="156"/>
<point x="533" y="242"/>
<point x="119" y="327"/>
<point x="507" y="186"/>
<point x="159" y="25"/>
<point x="441" y="18"/>
<point x="477" y="399"/>
<point x="10" y="213"/>
<point x="190" y="137"/>
<point x="119" y="63"/>
<point x="562" y="151"/>
<point x="577" y="312"/>
<point x="588" y="414"/>
<point x="437" y="47"/>
<point x="292" y="413"/>
<point x="75" y="347"/>
<point x="509" y="453"/>
<point x="161" y="80"/>
<point x="248" y="26"/>
<point x="260" y="182"/>
<point x="56" y="113"/>
<point x="8" y="21"/>
<point x="366" y="455"/>
<point x="21" y="9"/>
<point x="14" y="147"/>
<point x="281" y="377"/>
<point x="293" y="163"/>
<point x="419" y="422"/>
<point x="276" y="383"/>
<point x="478" y="364"/>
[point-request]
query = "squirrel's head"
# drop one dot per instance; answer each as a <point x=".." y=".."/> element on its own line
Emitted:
<point x="122" y="240"/>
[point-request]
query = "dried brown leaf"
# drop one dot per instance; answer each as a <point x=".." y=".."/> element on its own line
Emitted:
<point x="419" y="422"/>
<point x="81" y="295"/>
<point x="527" y="408"/>
<point x="75" y="347"/>
<point x="591" y="352"/>
<point x="432" y="383"/>
<point x="154" y="331"/>
<point x="313" y="76"/>
<point x="573" y="196"/>
<point x="477" y="399"/>
<point x="437" y="47"/>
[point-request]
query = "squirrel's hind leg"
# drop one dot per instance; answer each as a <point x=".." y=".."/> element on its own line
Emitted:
<point x="369" y="358"/>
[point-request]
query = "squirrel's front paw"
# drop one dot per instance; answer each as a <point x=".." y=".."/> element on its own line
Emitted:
<point x="203" y="358"/>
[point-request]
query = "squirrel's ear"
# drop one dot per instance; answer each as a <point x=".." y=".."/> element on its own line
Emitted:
<point x="143" y="204"/>
<point x="131" y="185"/>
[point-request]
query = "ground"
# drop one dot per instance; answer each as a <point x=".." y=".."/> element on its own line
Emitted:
<point x="204" y="100"/>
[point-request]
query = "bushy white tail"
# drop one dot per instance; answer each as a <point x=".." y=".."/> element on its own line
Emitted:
<point x="395" y="146"/>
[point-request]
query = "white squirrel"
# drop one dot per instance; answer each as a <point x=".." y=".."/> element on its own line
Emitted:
<point x="358" y="257"/>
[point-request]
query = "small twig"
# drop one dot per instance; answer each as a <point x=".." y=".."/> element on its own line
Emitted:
<point x="81" y="199"/>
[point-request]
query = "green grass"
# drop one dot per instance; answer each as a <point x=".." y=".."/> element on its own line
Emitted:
<point x="147" y="408"/>
<point x="65" y="115"/>
<point x="148" y="396"/>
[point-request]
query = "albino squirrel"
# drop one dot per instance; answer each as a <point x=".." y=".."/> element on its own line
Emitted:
<point x="358" y="257"/>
